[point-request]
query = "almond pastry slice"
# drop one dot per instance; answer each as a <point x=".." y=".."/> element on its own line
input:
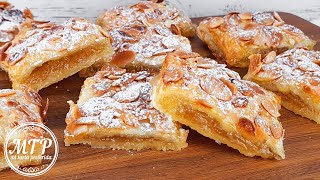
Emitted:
<point x="114" y="111"/>
<point x="49" y="53"/>
<point x="16" y="108"/>
<point x="235" y="37"/>
<point x="11" y="21"/>
<point x="214" y="101"/>
<point x="143" y="34"/>
<point x="293" y="75"/>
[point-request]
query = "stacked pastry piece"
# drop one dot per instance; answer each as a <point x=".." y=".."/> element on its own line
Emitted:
<point x="16" y="108"/>
<point x="143" y="34"/>
<point x="114" y="109"/>
<point x="236" y="36"/>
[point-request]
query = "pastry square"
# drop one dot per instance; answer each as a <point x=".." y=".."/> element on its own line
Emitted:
<point x="114" y="111"/>
<point x="294" y="75"/>
<point x="11" y="20"/>
<point x="214" y="101"/>
<point x="235" y="37"/>
<point x="16" y="108"/>
<point x="50" y="53"/>
<point x="142" y="36"/>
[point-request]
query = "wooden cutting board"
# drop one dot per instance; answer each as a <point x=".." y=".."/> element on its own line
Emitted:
<point x="202" y="159"/>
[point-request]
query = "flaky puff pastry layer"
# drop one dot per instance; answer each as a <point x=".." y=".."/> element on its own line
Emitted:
<point x="114" y="111"/>
<point x="214" y="101"/>
<point x="16" y="108"/>
<point x="50" y="53"/>
<point x="143" y="34"/>
<point x="293" y="75"/>
<point x="236" y="36"/>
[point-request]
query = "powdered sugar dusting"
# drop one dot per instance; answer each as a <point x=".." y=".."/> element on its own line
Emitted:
<point x="123" y="102"/>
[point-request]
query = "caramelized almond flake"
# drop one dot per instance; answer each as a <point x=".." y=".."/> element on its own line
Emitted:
<point x="268" y="21"/>
<point x="204" y="103"/>
<point x="172" y="75"/>
<point x="268" y="75"/>
<point x="246" y="125"/>
<point x="254" y="66"/>
<point x="270" y="107"/>
<point x="175" y="29"/>
<point x="216" y="22"/>
<point x="216" y="88"/>
<point x="103" y="32"/>
<point x="240" y="102"/>
<point x="277" y="17"/>
<point x="276" y="131"/>
<point x="122" y="58"/>
<point x="245" y="16"/>
<point x="8" y="93"/>
<point x="233" y="88"/>
<point x="45" y="25"/>
<point x="271" y="57"/>
<point x="18" y="56"/>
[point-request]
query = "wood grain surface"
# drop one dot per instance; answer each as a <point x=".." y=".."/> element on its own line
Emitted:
<point x="202" y="159"/>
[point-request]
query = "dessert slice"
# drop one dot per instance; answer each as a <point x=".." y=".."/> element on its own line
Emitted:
<point x="235" y="37"/>
<point x="50" y="53"/>
<point x="214" y="101"/>
<point x="114" y="111"/>
<point x="293" y="75"/>
<point x="16" y="108"/>
<point x="11" y="20"/>
<point x="141" y="37"/>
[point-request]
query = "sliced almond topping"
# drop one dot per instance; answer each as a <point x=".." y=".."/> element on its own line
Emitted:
<point x="314" y="81"/>
<point x="128" y="119"/>
<point x="271" y="107"/>
<point x="103" y="32"/>
<point x="268" y="21"/>
<point x="268" y="75"/>
<point x="278" y="23"/>
<point x="245" y="16"/>
<point x="254" y="66"/>
<point x="277" y="17"/>
<point x="276" y="131"/>
<point x="216" y="88"/>
<point x="172" y="75"/>
<point x="175" y="29"/>
<point x="246" y="125"/>
<point x="204" y="103"/>
<point x="216" y="22"/>
<point x="18" y="56"/>
<point x="27" y="13"/>
<point x="44" y="111"/>
<point x="257" y="89"/>
<point x="224" y="27"/>
<point x="9" y="93"/>
<point x="233" y="88"/>
<point x="33" y="97"/>
<point x="240" y="102"/>
<point x="45" y="25"/>
<point x="122" y="58"/>
<point x="271" y="57"/>
<point x="251" y="26"/>
<point x="163" y="52"/>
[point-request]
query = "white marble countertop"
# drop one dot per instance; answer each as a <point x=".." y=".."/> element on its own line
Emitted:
<point x="59" y="10"/>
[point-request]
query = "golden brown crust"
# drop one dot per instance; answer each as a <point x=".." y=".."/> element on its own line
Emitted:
<point x="16" y="108"/>
<point x="114" y="111"/>
<point x="236" y="36"/>
<point x="214" y="101"/>
<point x="47" y="52"/>
<point x="294" y="75"/>
<point x="144" y="33"/>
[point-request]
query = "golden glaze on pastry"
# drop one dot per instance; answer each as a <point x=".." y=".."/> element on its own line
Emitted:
<point x="214" y="101"/>
<point x="293" y="75"/>
<point x="114" y="111"/>
<point x="235" y="36"/>
<point x="10" y="21"/>
<point x="50" y="53"/>
<point x="143" y="34"/>
<point x="16" y="108"/>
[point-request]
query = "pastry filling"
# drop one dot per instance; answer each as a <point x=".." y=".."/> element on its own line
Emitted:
<point x="65" y="66"/>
